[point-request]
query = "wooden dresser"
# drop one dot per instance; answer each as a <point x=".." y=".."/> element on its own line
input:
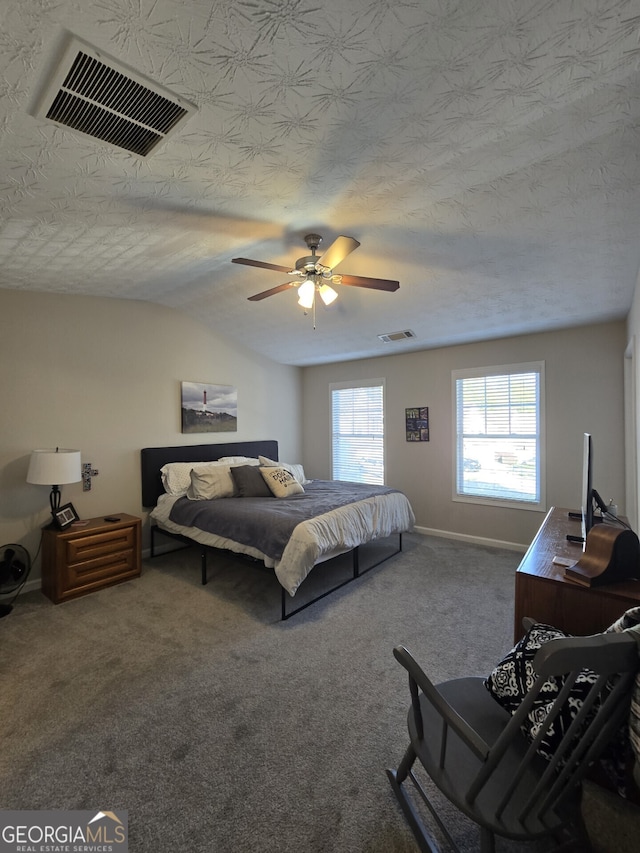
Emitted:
<point x="79" y="560"/>
<point x="543" y="593"/>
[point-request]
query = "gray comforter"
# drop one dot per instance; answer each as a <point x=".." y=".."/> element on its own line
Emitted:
<point x="267" y="523"/>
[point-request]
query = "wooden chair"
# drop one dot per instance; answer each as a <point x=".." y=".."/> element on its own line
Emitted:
<point x="477" y="755"/>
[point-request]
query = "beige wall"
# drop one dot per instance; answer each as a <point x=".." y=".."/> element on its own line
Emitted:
<point x="584" y="393"/>
<point x="103" y="376"/>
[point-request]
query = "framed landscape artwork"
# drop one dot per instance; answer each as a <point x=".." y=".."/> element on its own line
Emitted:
<point x="417" y="423"/>
<point x="209" y="408"/>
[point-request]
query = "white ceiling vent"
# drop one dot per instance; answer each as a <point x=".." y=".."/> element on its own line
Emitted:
<point x="100" y="97"/>
<point x="397" y="336"/>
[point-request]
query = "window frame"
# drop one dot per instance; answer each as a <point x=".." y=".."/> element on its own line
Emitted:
<point x="361" y="383"/>
<point x="503" y="370"/>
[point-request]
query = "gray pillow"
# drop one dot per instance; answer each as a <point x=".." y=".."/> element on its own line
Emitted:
<point x="249" y="482"/>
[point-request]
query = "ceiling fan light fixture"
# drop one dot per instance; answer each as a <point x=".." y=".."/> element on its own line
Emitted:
<point x="306" y="293"/>
<point x="327" y="294"/>
<point x="313" y="271"/>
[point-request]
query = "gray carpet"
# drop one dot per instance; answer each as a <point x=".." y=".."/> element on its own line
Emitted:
<point x="220" y="728"/>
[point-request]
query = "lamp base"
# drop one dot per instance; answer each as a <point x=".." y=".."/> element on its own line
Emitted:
<point x="54" y="498"/>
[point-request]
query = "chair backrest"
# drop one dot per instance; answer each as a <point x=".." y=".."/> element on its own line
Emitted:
<point x="572" y="728"/>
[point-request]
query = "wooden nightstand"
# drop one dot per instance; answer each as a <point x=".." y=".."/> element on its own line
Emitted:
<point x="79" y="560"/>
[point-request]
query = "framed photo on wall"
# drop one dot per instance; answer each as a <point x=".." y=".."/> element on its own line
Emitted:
<point x="209" y="408"/>
<point x="417" y="423"/>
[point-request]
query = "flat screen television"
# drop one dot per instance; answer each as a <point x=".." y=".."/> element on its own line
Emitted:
<point x="590" y="496"/>
<point x="586" y="507"/>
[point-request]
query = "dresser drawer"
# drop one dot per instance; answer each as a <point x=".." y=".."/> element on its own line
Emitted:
<point x="99" y="544"/>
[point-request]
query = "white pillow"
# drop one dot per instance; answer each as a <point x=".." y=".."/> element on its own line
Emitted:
<point x="239" y="460"/>
<point x="281" y="482"/>
<point x="210" y="483"/>
<point x="176" y="476"/>
<point x="292" y="467"/>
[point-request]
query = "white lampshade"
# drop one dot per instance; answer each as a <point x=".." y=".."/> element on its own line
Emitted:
<point x="54" y="466"/>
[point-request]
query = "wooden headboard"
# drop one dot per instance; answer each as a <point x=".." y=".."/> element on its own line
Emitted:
<point x="153" y="458"/>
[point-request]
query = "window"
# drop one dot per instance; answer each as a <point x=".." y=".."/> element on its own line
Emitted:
<point x="499" y="435"/>
<point x="357" y="446"/>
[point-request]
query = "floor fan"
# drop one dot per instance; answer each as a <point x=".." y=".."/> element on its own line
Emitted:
<point x="15" y="564"/>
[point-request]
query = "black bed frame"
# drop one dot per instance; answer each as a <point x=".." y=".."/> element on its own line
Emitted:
<point x="153" y="458"/>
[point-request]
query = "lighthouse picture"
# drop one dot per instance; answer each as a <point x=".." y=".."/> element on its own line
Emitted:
<point x="209" y="408"/>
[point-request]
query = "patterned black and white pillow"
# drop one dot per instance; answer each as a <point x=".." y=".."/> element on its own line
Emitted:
<point x="514" y="676"/>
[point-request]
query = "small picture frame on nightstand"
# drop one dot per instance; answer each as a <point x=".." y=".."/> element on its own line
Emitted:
<point x="64" y="516"/>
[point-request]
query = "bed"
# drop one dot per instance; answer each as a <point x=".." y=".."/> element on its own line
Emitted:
<point x="308" y="523"/>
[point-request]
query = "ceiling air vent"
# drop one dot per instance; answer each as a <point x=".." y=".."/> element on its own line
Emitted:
<point x="96" y="95"/>
<point x="397" y="336"/>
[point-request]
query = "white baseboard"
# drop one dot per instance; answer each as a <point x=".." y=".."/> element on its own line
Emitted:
<point x="162" y="549"/>
<point x="31" y="585"/>
<point x="35" y="583"/>
<point x="473" y="540"/>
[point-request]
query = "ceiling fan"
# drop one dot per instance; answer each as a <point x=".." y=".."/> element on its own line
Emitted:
<point x="313" y="273"/>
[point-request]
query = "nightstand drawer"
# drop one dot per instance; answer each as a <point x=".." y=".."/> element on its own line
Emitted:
<point x="112" y="567"/>
<point x="99" y="544"/>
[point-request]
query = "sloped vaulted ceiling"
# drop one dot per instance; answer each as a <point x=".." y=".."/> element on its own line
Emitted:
<point x="485" y="153"/>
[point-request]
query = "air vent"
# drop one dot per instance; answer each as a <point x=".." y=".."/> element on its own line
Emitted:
<point x="397" y="336"/>
<point x="99" y="97"/>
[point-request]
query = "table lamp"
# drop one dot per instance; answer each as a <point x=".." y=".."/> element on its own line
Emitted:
<point x="54" y="467"/>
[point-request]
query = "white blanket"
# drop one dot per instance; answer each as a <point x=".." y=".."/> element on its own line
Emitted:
<point x="312" y="541"/>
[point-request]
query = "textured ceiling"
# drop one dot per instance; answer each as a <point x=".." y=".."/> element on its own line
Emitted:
<point x="485" y="153"/>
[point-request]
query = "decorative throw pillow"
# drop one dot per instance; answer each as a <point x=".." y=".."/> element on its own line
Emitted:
<point x="514" y="676"/>
<point x="176" y="476"/>
<point x="281" y="482"/>
<point x="249" y="482"/>
<point x="239" y="460"/>
<point x="630" y="621"/>
<point x="293" y="468"/>
<point x="210" y="483"/>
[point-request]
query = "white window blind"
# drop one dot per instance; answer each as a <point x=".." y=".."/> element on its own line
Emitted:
<point x="358" y="432"/>
<point x="499" y="435"/>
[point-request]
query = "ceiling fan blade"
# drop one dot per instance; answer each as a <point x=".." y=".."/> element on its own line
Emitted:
<point x="337" y="252"/>
<point x="273" y="291"/>
<point x="371" y="283"/>
<point x="263" y="264"/>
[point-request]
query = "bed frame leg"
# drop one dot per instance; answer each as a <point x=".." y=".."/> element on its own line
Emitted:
<point x="356" y="561"/>
<point x="203" y="566"/>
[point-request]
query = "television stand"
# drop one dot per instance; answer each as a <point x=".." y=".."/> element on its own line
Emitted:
<point x="543" y="593"/>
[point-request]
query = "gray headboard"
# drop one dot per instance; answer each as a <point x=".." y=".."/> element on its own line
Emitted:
<point x="153" y="458"/>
